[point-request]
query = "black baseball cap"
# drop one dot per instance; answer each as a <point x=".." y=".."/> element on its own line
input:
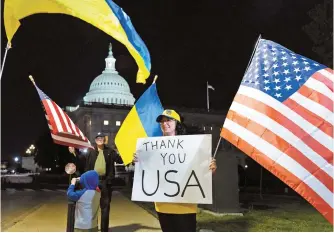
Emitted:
<point x="100" y="134"/>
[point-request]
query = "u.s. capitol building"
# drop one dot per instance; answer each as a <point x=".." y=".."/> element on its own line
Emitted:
<point x="109" y="100"/>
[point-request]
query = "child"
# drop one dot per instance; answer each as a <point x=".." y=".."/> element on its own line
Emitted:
<point x="87" y="201"/>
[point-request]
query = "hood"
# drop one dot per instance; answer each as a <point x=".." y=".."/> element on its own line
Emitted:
<point x="89" y="180"/>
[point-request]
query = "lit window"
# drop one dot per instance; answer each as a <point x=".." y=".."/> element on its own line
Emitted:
<point x="118" y="123"/>
<point x="204" y="127"/>
<point x="90" y="122"/>
<point x="211" y="128"/>
<point x="105" y="122"/>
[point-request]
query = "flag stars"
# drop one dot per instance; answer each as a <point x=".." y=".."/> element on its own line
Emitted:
<point x="256" y="83"/>
<point x="296" y="70"/>
<point x="266" y="81"/>
<point x="287" y="79"/>
<point x="286" y="72"/>
<point x="278" y="95"/>
<point x="293" y="57"/>
<point x="295" y="63"/>
<point x="283" y="52"/>
<point x="277" y="88"/>
<point x="276" y="73"/>
<point x="266" y="68"/>
<point x="315" y="64"/>
<point x="288" y="87"/>
<point x="275" y="66"/>
<point x="285" y="64"/>
<point x="284" y="58"/>
<point x="298" y="77"/>
<point x="277" y="80"/>
<point x="265" y="62"/>
<point x="306" y="63"/>
<point x="266" y="88"/>
<point x="265" y="75"/>
<point x="273" y="53"/>
<point x="274" y="58"/>
<point x="307" y="68"/>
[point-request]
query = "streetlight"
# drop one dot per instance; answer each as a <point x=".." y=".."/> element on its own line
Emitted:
<point x="16" y="159"/>
<point x="28" y="151"/>
<point x="32" y="147"/>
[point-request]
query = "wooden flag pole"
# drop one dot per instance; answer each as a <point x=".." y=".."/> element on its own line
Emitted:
<point x="32" y="79"/>
<point x="155" y="79"/>
<point x="4" y="59"/>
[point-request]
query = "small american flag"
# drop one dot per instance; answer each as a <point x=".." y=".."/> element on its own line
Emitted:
<point x="282" y="117"/>
<point x="63" y="130"/>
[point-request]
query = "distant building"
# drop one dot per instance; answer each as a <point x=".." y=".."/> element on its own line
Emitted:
<point x="28" y="163"/>
<point x="109" y="100"/>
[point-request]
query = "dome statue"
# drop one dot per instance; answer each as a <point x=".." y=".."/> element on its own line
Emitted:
<point x="109" y="87"/>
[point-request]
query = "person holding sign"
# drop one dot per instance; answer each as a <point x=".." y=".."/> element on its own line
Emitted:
<point x="180" y="217"/>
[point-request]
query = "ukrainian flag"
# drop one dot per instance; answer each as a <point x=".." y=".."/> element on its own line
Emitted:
<point x="139" y="123"/>
<point x="103" y="14"/>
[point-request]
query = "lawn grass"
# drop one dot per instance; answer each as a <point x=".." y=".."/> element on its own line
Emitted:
<point x="286" y="218"/>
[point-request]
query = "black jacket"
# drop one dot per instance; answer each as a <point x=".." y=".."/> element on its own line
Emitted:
<point x="110" y="157"/>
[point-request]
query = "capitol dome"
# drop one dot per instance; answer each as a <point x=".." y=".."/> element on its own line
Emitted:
<point x="109" y="87"/>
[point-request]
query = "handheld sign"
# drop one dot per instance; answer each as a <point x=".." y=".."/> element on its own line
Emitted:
<point x="173" y="169"/>
<point x="70" y="168"/>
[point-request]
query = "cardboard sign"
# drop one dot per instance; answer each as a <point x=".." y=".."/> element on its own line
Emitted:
<point x="173" y="169"/>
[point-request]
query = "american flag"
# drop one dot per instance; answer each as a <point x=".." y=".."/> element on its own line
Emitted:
<point x="63" y="130"/>
<point x="282" y="117"/>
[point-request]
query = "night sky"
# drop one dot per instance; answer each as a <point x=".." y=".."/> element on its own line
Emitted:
<point x="190" y="42"/>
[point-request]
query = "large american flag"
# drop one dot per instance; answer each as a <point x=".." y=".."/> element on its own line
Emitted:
<point x="282" y="117"/>
<point x="63" y="130"/>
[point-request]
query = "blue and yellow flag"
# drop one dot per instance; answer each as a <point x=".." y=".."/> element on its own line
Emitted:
<point x="139" y="123"/>
<point x="103" y="14"/>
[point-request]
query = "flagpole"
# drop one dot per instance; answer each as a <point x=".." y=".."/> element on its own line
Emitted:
<point x="155" y="79"/>
<point x="207" y="96"/>
<point x="4" y="59"/>
<point x="257" y="42"/>
<point x="214" y="155"/>
<point x="32" y="79"/>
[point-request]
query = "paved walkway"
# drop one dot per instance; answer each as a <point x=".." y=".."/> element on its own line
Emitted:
<point x="52" y="216"/>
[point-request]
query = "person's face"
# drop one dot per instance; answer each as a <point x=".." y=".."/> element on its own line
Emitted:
<point x="99" y="141"/>
<point x="167" y="125"/>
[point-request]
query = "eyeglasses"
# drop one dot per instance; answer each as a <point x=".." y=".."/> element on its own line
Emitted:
<point x="166" y="120"/>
